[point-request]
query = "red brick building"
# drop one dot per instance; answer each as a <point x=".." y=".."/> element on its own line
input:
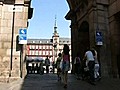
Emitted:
<point x="50" y="47"/>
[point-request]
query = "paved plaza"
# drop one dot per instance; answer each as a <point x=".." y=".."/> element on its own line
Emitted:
<point x="49" y="82"/>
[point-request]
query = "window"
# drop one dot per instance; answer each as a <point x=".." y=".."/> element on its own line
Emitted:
<point x="40" y="47"/>
<point x="47" y="53"/>
<point x="44" y="47"/>
<point x="30" y="52"/>
<point x="40" y="41"/>
<point x="32" y="46"/>
<point x="51" y="47"/>
<point x="50" y="52"/>
<point x="33" y="41"/>
<point x="43" y="52"/>
<point x="47" y="47"/>
<point x="36" y="46"/>
<point x="37" y="53"/>
<point x="47" y="41"/>
<point x="40" y="52"/>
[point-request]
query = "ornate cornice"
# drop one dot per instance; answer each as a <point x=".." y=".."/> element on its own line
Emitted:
<point x="70" y="15"/>
<point x="7" y="1"/>
<point x="27" y="2"/>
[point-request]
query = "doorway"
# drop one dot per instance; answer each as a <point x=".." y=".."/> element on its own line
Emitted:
<point x="116" y="41"/>
<point x="83" y="38"/>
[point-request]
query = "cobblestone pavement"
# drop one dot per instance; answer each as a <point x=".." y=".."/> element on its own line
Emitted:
<point x="49" y="82"/>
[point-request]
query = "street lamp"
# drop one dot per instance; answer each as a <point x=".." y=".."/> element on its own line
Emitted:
<point x="13" y="9"/>
<point x="11" y="57"/>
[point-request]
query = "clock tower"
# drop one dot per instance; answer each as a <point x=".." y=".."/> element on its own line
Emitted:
<point x="55" y="38"/>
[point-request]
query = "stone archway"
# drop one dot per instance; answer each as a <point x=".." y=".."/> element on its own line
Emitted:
<point x="115" y="45"/>
<point x="83" y="37"/>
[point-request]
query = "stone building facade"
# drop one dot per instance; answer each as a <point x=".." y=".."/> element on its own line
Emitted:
<point x="47" y="47"/>
<point x="44" y="47"/>
<point x="14" y="14"/>
<point x="91" y="16"/>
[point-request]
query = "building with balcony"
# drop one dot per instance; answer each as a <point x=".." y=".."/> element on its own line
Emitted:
<point x="47" y="47"/>
<point x="44" y="47"/>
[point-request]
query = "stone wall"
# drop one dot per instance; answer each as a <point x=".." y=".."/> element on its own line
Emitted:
<point x="114" y="22"/>
<point x="20" y="18"/>
<point x="100" y="15"/>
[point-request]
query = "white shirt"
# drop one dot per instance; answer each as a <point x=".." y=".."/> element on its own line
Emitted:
<point x="95" y="57"/>
<point x="89" y="56"/>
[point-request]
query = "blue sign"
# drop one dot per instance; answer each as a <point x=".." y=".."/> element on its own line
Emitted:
<point x="23" y="36"/>
<point x="99" y="39"/>
<point x="23" y="31"/>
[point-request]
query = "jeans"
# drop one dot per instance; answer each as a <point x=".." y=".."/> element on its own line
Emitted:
<point x="91" y="65"/>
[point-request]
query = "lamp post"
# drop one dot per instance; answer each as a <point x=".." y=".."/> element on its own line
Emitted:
<point x="11" y="57"/>
<point x="13" y="9"/>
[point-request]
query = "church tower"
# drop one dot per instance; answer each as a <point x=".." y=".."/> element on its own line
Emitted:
<point x="55" y="38"/>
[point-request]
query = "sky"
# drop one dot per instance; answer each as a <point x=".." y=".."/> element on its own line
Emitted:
<point x="41" y="26"/>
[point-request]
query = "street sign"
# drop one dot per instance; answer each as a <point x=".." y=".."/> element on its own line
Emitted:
<point x="23" y="36"/>
<point x="99" y="39"/>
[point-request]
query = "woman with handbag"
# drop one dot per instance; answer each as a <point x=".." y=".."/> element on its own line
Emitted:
<point x="65" y="64"/>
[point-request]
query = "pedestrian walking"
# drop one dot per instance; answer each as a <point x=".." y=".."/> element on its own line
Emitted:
<point x="58" y="66"/>
<point x="53" y="66"/>
<point x="77" y="64"/>
<point x="65" y="64"/>
<point x="41" y="68"/>
<point x="97" y="67"/>
<point x="90" y="62"/>
<point x="47" y="63"/>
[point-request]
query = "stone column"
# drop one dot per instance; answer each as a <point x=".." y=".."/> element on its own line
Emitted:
<point x="7" y="25"/>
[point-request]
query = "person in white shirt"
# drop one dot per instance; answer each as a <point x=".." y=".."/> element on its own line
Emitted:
<point x="47" y="63"/>
<point x="97" y="66"/>
<point x="90" y="62"/>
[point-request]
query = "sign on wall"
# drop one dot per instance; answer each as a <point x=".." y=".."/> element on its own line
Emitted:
<point x="99" y="39"/>
<point x="23" y="36"/>
<point x="15" y="8"/>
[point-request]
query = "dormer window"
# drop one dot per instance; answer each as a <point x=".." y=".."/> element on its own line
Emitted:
<point x="33" y="41"/>
<point x="40" y="41"/>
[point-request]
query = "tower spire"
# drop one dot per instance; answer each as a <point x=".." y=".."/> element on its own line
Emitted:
<point x="55" y="27"/>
